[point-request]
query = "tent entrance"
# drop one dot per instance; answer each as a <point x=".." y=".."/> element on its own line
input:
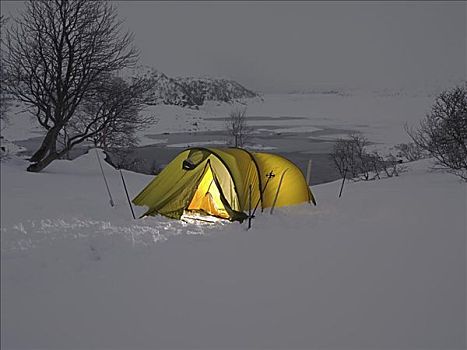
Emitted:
<point x="207" y="197"/>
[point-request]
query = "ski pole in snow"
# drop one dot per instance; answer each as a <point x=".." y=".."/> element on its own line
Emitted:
<point x="127" y="196"/>
<point x="105" y="180"/>
<point x="343" y="180"/>
<point x="308" y="172"/>
<point x="249" y="207"/>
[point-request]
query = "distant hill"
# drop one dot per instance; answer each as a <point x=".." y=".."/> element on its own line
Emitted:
<point x="192" y="92"/>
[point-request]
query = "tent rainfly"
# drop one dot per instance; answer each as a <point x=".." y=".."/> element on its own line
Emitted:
<point x="217" y="182"/>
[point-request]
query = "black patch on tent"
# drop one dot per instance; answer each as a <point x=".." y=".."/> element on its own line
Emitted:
<point x="188" y="164"/>
<point x="195" y="158"/>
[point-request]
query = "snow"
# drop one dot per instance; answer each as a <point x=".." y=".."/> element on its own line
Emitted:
<point x="257" y="147"/>
<point x="332" y="137"/>
<point x="297" y="129"/>
<point x="379" y="117"/>
<point x="20" y="125"/>
<point x="381" y="267"/>
<point x="195" y="144"/>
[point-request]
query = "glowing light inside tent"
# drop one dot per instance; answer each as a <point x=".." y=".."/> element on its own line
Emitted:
<point x="207" y="197"/>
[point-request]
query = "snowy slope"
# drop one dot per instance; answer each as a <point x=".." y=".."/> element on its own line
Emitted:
<point x="382" y="267"/>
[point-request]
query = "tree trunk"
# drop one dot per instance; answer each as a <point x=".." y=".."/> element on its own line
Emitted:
<point x="38" y="166"/>
<point x="42" y="151"/>
<point x="48" y="145"/>
<point x="49" y="148"/>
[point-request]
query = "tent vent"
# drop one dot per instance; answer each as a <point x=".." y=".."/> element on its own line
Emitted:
<point x="188" y="164"/>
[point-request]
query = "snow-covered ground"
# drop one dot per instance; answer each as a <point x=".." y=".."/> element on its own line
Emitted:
<point x="381" y="267"/>
<point x="20" y="124"/>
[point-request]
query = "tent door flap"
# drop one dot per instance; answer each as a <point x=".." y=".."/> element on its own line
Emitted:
<point x="207" y="197"/>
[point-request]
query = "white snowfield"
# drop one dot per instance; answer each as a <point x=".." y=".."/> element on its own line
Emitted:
<point x="381" y="267"/>
<point x="380" y="117"/>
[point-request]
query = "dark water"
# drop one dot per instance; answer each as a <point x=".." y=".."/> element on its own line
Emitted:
<point x="298" y="147"/>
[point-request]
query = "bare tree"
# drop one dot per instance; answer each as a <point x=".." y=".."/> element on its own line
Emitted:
<point x="110" y="116"/>
<point x="410" y="151"/>
<point x="363" y="163"/>
<point x="4" y="98"/>
<point x="443" y="132"/>
<point x="351" y="157"/>
<point x="341" y="156"/>
<point x="237" y="126"/>
<point x="58" y="53"/>
<point x="4" y="101"/>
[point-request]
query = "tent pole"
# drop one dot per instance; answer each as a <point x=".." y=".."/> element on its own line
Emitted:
<point x="269" y="176"/>
<point x="127" y="196"/>
<point x="105" y="180"/>
<point x="277" y="192"/>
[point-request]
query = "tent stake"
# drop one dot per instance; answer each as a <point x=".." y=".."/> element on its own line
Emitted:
<point x="105" y="180"/>
<point x="342" y="185"/>
<point x="127" y="196"/>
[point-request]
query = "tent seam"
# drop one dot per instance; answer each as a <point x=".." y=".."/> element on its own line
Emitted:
<point x="260" y="185"/>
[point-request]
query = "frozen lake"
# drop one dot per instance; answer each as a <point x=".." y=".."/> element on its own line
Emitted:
<point x="299" y="127"/>
<point x="299" y="147"/>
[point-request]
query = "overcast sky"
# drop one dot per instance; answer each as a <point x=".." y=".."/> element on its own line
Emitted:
<point x="283" y="46"/>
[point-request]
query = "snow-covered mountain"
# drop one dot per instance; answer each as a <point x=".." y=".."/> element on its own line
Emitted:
<point x="192" y="92"/>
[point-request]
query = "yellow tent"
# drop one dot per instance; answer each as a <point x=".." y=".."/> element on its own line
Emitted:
<point x="217" y="181"/>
